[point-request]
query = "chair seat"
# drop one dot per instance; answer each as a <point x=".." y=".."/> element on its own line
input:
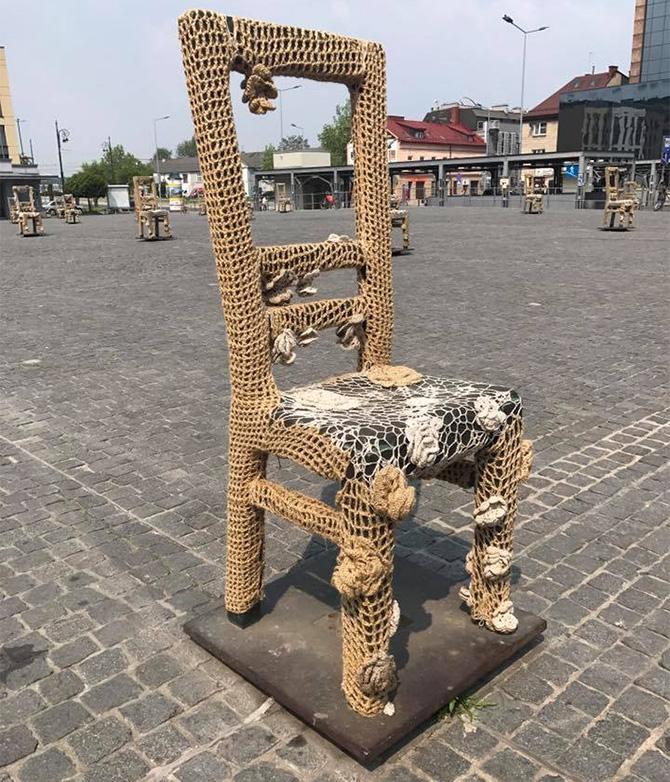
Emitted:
<point x="419" y="428"/>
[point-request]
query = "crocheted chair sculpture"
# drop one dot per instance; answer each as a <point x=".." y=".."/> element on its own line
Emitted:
<point x="28" y="217"/>
<point x="70" y="209"/>
<point x="399" y="219"/>
<point x="620" y="205"/>
<point x="370" y="430"/>
<point x="148" y="213"/>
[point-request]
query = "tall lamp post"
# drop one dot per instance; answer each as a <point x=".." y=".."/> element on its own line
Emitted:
<point x="18" y="127"/>
<point x="158" y="163"/>
<point x="526" y="33"/>
<point x="62" y="137"/>
<point x="281" y="113"/>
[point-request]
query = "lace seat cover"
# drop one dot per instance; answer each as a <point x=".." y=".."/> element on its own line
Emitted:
<point x="418" y="428"/>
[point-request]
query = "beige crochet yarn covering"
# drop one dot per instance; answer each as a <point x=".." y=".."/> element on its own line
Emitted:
<point x="370" y="430"/>
<point x="150" y="217"/>
<point x="24" y="211"/>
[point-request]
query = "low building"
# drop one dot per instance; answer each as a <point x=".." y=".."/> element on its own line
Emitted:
<point x="412" y="140"/>
<point x="187" y="170"/>
<point x="497" y="125"/>
<point x="15" y="168"/>
<point x="301" y="158"/>
<point x="540" y="124"/>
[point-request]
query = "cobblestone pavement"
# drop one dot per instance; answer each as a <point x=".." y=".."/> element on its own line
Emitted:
<point x="112" y="515"/>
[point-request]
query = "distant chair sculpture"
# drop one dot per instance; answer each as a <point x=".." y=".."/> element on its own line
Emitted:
<point x="59" y="207"/>
<point x="13" y="209"/>
<point x="370" y="430"/>
<point x="28" y="217"/>
<point x="150" y="217"/>
<point x="70" y="209"/>
<point x="400" y="219"/>
<point x="533" y="198"/>
<point x="619" y="212"/>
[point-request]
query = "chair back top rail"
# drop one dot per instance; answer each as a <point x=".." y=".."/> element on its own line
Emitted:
<point x="213" y="45"/>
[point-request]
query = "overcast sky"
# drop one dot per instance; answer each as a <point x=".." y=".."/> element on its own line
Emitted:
<point x="108" y="68"/>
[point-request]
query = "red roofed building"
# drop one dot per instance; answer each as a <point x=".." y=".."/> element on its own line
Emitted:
<point x="540" y="124"/>
<point x="412" y="140"/>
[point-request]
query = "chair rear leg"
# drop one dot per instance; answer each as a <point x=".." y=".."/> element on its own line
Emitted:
<point x="363" y="577"/>
<point x="245" y="534"/>
<point x="497" y="477"/>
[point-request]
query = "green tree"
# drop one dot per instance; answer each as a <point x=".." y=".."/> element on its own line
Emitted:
<point x="187" y="148"/>
<point x="89" y="183"/>
<point x="335" y="135"/>
<point x="293" y="143"/>
<point x="124" y="166"/>
<point x="268" y="161"/>
<point x="163" y="154"/>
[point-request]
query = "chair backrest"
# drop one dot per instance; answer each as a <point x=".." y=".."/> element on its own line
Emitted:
<point x="144" y="193"/>
<point x="213" y="45"/>
<point x="23" y="197"/>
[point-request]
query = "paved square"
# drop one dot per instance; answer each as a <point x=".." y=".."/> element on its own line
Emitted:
<point x="113" y="407"/>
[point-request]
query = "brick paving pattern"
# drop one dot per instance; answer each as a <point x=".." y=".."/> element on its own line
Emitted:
<point x="113" y="403"/>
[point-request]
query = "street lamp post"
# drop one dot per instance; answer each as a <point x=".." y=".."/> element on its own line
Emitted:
<point x="62" y="136"/>
<point x="158" y="164"/>
<point x="18" y="127"/>
<point x="281" y="113"/>
<point x="526" y="33"/>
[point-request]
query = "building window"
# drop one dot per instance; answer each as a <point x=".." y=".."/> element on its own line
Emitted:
<point x="480" y="124"/>
<point x="537" y="151"/>
<point x="4" y="149"/>
<point x="419" y="134"/>
<point x="538" y="128"/>
<point x="421" y="157"/>
<point x="409" y="157"/>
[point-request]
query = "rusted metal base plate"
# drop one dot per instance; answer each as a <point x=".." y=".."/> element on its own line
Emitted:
<point x="293" y="652"/>
<point x="402" y="250"/>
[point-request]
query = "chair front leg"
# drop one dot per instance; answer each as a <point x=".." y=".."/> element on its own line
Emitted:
<point x="498" y="472"/>
<point x="245" y="533"/>
<point x="363" y="576"/>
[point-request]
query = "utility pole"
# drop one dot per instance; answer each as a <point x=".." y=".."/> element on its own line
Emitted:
<point x="111" y="158"/>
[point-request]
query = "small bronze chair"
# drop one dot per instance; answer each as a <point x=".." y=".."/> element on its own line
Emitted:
<point x="28" y="217"/>
<point x="371" y="429"/>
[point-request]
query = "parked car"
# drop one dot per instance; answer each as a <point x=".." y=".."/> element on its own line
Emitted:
<point x="50" y="208"/>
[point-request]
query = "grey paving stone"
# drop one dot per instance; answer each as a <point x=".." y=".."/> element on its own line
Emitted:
<point x="60" y="686"/>
<point x="510" y="766"/>
<point x="208" y="719"/>
<point x="302" y="755"/>
<point x="618" y="734"/>
<point x="60" y="720"/>
<point x="100" y="739"/>
<point x="588" y="760"/>
<point x="164" y="745"/>
<point x="192" y="687"/>
<point x="585" y="699"/>
<point x="50" y="766"/>
<point x="18" y="708"/>
<point x="16" y="743"/>
<point x="205" y="767"/>
<point x="246" y="744"/>
<point x="437" y="761"/>
<point x="124" y="766"/>
<point x="158" y="670"/>
<point x="653" y="767"/>
<point x="112" y="693"/>
<point x="102" y="666"/>
<point x="73" y="652"/>
<point x="149" y="712"/>
<point x="265" y="772"/>
<point x="657" y="681"/>
<point x="534" y="739"/>
<point x="641" y="706"/>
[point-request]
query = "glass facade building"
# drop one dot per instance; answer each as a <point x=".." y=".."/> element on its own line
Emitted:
<point x="634" y="117"/>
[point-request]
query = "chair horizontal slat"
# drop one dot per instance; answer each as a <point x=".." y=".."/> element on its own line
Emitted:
<point x="322" y="314"/>
<point x="302" y="258"/>
<point x="300" y="509"/>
